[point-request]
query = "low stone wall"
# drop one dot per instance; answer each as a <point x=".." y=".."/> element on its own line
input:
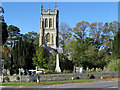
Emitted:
<point x="58" y="77"/>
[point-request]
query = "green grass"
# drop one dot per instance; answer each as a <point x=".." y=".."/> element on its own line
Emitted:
<point x="48" y="82"/>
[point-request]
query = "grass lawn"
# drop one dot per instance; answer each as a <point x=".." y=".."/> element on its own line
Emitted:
<point x="49" y="82"/>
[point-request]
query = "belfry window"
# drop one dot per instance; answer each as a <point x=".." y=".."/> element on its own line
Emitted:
<point x="50" y="22"/>
<point x="48" y="37"/>
<point x="46" y="22"/>
<point x="52" y="39"/>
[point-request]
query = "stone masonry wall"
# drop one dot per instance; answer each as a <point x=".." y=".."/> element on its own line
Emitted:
<point x="58" y="77"/>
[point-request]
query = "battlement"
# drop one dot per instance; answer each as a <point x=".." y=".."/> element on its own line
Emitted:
<point x="48" y="11"/>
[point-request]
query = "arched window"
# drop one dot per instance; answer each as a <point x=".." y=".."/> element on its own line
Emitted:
<point x="50" y="22"/>
<point x="48" y="37"/>
<point x="52" y="39"/>
<point x="46" y="22"/>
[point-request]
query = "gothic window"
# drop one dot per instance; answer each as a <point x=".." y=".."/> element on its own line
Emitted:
<point x="46" y="22"/>
<point x="50" y="22"/>
<point x="52" y="39"/>
<point x="48" y="37"/>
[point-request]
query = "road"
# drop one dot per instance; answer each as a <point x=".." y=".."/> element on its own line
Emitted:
<point x="114" y="83"/>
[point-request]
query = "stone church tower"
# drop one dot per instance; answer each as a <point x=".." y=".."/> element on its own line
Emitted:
<point x="49" y="27"/>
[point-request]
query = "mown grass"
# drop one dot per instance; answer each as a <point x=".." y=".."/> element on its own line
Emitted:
<point x="48" y="82"/>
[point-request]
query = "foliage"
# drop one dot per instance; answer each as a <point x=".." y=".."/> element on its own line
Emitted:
<point x="65" y="34"/>
<point x="6" y="78"/>
<point x="17" y="78"/>
<point x="80" y="30"/>
<point x="114" y="65"/>
<point x="41" y="57"/>
<point x="116" y="46"/>
<point x="22" y="55"/>
<point x="5" y="56"/>
<point x="48" y="71"/>
<point x="65" y="63"/>
<point x="3" y="26"/>
<point x="52" y="62"/>
<point x="67" y="71"/>
<point x="87" y="45"/>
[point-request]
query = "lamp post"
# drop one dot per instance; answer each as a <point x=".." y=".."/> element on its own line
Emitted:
<point x="3" y="63"/>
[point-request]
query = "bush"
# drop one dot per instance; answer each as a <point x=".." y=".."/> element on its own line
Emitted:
<point x="66" y="71"/>
<point x="76" y="77"/>
<point x="113" y="65"/>
<point x="50" y="72"/>
<point x="6" y="78"/>
<point x="91" y="76"/>
<point x="18" y="78"/>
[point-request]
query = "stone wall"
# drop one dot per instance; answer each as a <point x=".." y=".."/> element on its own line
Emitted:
<point x="57" y="77"/>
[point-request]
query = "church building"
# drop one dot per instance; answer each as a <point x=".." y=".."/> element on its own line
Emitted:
<point x="49" y="27"/>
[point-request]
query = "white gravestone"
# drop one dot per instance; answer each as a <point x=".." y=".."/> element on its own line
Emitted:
<point x="81" y="69"/>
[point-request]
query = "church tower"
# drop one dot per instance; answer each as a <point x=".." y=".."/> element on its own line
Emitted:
<point x="49" y="27"/>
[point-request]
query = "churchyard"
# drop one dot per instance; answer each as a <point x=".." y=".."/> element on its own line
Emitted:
<point x="88" y="51"/>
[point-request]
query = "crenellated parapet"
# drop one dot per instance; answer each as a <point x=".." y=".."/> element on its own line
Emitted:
<point x="48" y="11"/>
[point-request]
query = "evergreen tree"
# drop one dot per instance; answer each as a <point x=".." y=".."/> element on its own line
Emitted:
<point x="13" y="33"/>
<point x="3" y="26"/>
<point x="116" y="46"/>
<point x="41" y="57"/>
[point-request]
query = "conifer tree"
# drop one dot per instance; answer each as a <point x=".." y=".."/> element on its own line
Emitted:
<point x="116" y="46"/>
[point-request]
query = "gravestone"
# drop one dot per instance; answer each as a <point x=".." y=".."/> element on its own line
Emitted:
<point x="78" y="69"/>
<point x="8" y="72"/>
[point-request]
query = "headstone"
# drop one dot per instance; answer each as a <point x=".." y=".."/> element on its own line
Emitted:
<point x="8" y="72"/>
<point x="97" y="69"/>
<point x="104" y="69"/>
<point x="76" y="69"/>
<point x="81" y="70"/>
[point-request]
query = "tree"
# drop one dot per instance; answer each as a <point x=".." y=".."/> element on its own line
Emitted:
<point x="52" y="62"/>
<point x="80" y="30"/>
<point x="107" y="35"/>
<point x="95" y="32"/>
<point x="41" y="57"/>
<point x="65" y="63"/>
<point x="13" y="33"/>
<point x="23" y="51"/>
<point x="6" y="56"/>
<point x="116" y="46"/>
<point x="3" y="26"/>
<point x="65" y="34"/>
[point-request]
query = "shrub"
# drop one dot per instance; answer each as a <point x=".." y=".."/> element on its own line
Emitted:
<point x="18" y="78"/>
<point x="6" y="78"/>
<point x="50" y="72"/>
<point x="113" y="65"/>
<point x="66" y="71"/>
<point x="76" y="77"/>
<point x="91" y="76"/>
